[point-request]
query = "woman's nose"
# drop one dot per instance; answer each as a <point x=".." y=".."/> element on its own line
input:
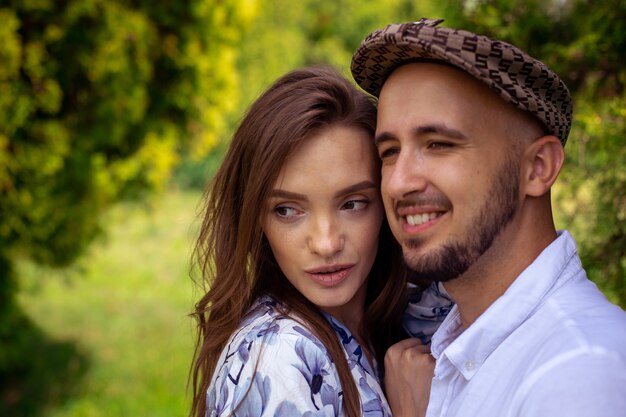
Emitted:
<point x="325" y="238"/>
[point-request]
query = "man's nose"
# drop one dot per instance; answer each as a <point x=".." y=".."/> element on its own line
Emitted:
<point x="405" y="176"/>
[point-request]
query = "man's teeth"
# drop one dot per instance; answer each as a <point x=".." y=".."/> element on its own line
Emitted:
<point x="417" y="219"/>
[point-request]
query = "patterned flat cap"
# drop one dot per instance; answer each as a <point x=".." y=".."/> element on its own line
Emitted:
<point x="514" y="75"/>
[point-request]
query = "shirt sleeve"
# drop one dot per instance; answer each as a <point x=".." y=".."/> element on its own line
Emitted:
<point x="582" y="384"/>
<point x="284" y="374"/>
<point x="426" y="310"/>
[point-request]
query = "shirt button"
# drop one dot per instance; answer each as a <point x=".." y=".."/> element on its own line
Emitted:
<point x="470" y="365"/>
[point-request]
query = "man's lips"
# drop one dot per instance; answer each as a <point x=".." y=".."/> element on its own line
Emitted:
<point x="330" y="275"/>
<point x="422" y="210"/>
<point x="415" y="216"/>
<point x="417" y="219"/>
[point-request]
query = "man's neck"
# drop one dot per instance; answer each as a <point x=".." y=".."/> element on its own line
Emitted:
<point x="491" y="275"/>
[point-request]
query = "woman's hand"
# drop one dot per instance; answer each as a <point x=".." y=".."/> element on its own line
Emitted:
<point x="409" y="370"/>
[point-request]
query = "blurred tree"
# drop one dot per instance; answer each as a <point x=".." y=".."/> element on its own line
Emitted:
<point x="97" y="98"/>
<point x="594" y="191"/>
<point x="287" y="34"/>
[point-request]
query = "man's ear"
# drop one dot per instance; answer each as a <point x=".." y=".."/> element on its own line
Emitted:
<point x="543" y="159"/>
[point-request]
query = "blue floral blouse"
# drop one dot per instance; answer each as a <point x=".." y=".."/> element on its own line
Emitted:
<point x="274" y="366"/>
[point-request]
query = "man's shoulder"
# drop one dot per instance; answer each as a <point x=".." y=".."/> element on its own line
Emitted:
<point x="578" y="357"/>
<point x="576" y="309"/>
<point x="578" y="316"/>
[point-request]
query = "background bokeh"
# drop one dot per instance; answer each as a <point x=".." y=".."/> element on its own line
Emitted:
<point x="114" y="114"/>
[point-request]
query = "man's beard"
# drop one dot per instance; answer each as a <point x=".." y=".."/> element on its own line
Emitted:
<point x="455" y="257"/>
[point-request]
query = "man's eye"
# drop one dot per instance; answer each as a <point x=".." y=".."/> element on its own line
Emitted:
<point x="388" y="152"/>
<point x="440" y="145"/>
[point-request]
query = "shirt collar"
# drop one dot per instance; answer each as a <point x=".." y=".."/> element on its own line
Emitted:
<point x="467" y="350"/>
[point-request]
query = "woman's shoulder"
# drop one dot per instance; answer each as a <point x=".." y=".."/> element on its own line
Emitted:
<point x="279" y="361"/>
<point x="266" y="321"/>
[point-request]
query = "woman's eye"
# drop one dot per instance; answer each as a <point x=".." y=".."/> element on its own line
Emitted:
<point x="355" y="205"/>
<point x="286" y="212"/>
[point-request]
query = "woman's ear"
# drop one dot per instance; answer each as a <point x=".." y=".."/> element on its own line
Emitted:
<point x="543" y="160"/>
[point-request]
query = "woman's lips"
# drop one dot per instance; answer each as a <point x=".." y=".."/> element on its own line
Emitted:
<point x="330" y="275"/>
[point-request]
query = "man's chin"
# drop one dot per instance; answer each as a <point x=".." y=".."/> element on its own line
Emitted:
<point x="434" y="268"/>
<point x="431" y="275"/>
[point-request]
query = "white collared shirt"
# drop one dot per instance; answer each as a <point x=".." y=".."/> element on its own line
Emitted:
<point x="551" y="345"/>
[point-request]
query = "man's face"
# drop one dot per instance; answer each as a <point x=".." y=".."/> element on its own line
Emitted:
<point x="450" y="177"/>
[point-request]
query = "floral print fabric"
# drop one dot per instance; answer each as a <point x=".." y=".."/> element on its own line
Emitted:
<point x="274" y="366"/>
<point x="426" y="311"/>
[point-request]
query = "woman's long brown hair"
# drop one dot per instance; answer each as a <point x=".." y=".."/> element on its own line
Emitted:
<point x="235" y="260"/>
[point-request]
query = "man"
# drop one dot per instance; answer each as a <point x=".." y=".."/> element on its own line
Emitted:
<point x="471" y="133"/>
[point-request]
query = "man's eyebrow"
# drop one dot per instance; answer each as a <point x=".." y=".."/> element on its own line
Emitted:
<point x="278" y="193"/>
<point x="439" y="129"/>
<point x="355" y="188"/>
<point x="383" y="137"/>
<point x="436" y="128"/>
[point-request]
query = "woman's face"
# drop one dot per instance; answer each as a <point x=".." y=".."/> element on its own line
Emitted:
<point x="323" y="218"/>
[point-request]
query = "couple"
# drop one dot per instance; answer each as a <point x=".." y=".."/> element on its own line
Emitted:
<point x="307" y="288"/>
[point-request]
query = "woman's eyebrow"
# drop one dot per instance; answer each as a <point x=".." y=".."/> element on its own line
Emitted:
<point x="354" y="188"/>
<point x="278" y="193"/>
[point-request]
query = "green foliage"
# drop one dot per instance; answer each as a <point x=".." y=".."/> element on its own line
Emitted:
<point x="194" y="173"/>
<point x="52" y="374"/>
<point x="97" y="99"/>
<point x="288" y="34"/>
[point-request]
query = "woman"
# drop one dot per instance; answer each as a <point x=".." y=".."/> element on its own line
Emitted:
<point x="306" y="286"/>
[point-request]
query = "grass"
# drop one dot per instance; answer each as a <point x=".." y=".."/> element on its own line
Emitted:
<point x="125" y="306"/>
